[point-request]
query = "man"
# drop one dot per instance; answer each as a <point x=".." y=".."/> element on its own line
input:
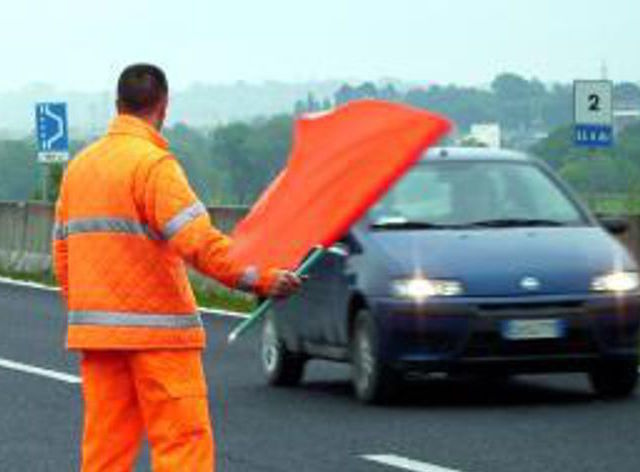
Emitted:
<point x="126" y="220"/>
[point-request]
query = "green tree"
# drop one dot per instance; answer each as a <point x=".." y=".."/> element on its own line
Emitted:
<point x="557" y="148"/>
<point x="367" y="90"/>
<point x="613" y="171"/>
<point x="229" y="145"/>
<point x="344" y="94"/>
<point x="510" y="87"/>
<point x="465" y="106"/>
<point x="19" y="176"/>
<point x="518" y="100"/>
<point x="191" y="147"/>
<point x="556" y="106"/>
<point x="253" y="155"/>
<point x="389" y="93"/>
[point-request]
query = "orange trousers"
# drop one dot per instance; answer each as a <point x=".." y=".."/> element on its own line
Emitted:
<point x="162" y="392"/>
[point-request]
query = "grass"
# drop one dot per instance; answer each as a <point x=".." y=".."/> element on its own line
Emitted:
<point x="224" y="299"/>
<point x="207" y="296"/>
<point x="45" y="278"/>
<point x="613" y="204"/>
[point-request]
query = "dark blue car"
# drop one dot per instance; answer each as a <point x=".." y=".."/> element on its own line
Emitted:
<point x="477" y="261"/>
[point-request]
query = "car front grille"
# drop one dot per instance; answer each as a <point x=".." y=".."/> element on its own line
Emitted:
<point x="486" y="339"/>
<point x="531" y="309"/>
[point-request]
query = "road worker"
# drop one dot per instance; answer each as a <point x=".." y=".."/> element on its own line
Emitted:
<point x="126" y="222"/>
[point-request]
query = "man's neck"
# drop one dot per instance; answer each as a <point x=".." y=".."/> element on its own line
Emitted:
<point x="147" y="119"/>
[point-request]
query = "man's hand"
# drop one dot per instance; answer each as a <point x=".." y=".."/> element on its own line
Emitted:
<point x="285" y="284"/>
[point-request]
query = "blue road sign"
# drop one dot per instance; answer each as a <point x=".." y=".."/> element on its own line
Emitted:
<point x="600" y="136"/>
<point x="52" y="132"/>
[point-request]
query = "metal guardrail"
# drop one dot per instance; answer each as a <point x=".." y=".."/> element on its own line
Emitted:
<point x="25" y="233"/>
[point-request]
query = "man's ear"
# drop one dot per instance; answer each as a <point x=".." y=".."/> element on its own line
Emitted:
<point x="161" y="112"/>
<point x="164" y="105"/>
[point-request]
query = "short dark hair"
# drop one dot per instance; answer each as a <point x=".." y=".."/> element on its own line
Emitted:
<point x="141" y="87"/>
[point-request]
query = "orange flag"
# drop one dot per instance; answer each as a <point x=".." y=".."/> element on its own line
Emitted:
<point x="341" y="163"/>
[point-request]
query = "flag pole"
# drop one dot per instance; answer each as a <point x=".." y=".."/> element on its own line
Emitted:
<point x="259" y="312"/>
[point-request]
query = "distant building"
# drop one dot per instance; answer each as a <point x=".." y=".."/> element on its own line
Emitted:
<point x="625" y="118"/>
<point x="488" y="134"/>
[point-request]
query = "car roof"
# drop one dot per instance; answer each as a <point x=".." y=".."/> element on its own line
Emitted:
<point x="473" y="154"/>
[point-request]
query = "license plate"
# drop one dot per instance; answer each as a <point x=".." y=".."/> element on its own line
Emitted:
<point x="533" y="329"/>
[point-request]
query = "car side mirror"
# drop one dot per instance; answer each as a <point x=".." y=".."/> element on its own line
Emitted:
<point x="616" y="225"/>
<point x="339" y="249"/>
<point x="349" y="244"/>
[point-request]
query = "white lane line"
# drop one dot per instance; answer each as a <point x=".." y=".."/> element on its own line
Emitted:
<point x="217" y="312"/>
<point x="49" y="288"/>
<point x="405" y="464"/>
<point x="24" y="283"/>
<point x="48" y="373"/>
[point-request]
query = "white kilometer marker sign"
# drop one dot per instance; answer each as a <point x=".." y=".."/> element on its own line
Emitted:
<point x="39" y="371"/>
<point x="406" y="464"/>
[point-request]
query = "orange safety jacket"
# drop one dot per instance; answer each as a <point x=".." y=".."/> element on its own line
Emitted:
<point x="125" y="222"/>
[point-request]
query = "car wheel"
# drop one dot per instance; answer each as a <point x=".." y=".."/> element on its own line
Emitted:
<point x="373" y="380"/>
<point x="615" y="379"/>
<point x="280" y="367"/>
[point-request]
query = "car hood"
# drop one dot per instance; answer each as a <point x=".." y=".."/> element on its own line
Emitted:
<point x="494" y="262"/>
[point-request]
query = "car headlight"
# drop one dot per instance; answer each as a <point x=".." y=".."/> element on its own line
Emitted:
<point x="618" y="282"/>
<point x="421" y="288"/>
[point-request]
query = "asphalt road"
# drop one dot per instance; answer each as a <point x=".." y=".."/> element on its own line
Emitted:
<point x="528" y="425"/>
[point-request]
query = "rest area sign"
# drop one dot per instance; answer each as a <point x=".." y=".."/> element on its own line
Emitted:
<point x="52" y="132"/>
<point x="593" y="113"/>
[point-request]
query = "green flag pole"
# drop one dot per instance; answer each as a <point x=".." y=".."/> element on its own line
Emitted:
<point x="259" y="312"/>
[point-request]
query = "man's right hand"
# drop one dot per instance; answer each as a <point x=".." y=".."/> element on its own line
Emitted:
<point x="286" y="283"/>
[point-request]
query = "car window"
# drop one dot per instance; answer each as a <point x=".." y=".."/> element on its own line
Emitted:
<point x="464" y="192"/>
<point x="410" y="200"/>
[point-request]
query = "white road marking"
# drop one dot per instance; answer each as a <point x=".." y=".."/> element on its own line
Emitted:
<point x="61" y="376"/>
<point x="24" y="283"/>
<point x="48" y="373"/>
<point x="49" y="288"/>
<point x="217" y="312"/>
<point x="406" y="464"/>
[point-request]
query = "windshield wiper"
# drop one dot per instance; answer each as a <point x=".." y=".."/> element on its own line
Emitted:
<point x="515" y="222"/>
<point x="397" y="224"/>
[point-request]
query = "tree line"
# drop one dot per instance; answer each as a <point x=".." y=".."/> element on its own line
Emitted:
<point x="229" y="165"/>
<point x="614" y="171"/>
<point x="233" y="163"/>
<point x="516" y="103"/>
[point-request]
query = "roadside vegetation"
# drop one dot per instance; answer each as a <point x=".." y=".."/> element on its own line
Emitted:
<point x="207" y="295"/>
<point x="232" y="163"/>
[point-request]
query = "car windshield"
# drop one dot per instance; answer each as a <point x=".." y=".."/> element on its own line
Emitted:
<point x="475" y="194"/>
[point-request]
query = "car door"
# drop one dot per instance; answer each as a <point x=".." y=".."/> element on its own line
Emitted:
<point x="321" y="296"/>
<point x="317" y="314"/>
<point x="332" y="322"/>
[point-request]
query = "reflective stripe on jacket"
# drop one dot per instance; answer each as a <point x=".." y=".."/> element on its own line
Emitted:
<point x="126" y="221"/>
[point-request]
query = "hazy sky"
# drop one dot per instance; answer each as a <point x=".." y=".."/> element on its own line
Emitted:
<point x="83" y="45"/>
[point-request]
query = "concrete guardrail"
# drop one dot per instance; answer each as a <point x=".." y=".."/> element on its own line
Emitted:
<point x="25" y="233"/>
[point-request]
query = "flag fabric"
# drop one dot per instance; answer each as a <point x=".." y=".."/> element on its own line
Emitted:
<point x="341" y="163"/>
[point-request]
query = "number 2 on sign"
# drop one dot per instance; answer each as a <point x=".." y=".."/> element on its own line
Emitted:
<point x="594" y="102"/>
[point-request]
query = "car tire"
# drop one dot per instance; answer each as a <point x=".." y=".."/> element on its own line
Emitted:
<point x="374" y="382"/>
<point x="614" y="379"/>
<point x="280" y="366"/>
